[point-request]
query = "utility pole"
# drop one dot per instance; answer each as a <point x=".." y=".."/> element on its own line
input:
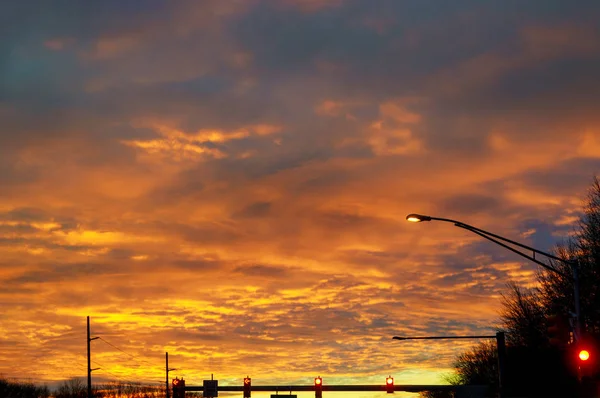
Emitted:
<point x="89" y="360"/>
<point x="167" y="370"/>
<point x="167" y="374"/>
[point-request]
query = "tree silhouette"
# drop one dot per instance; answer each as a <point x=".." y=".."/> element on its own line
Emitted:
<point x="12" y="389"/>
<point x="72" y="388"/>
<point x="523" y="317"/>
<point x="556" y="292"/>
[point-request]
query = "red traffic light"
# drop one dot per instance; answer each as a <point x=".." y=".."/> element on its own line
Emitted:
<point x="247" y="387"/>
<point x="318" y="387"/>
<point x="178" y="388"/>
<point x="389" y="384"/>
<point x="584" y="355"/>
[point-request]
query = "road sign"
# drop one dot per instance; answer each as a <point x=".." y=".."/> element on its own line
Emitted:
<point x="210" y="388"/>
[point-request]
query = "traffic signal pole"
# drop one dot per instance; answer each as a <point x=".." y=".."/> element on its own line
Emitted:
<point x="501" y="347"/>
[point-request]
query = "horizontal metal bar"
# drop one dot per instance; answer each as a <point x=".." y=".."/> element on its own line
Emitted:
<point x="443" y="337"/>
<point x="344" y="387"/>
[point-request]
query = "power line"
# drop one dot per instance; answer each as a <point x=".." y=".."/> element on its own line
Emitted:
<point x="102" y="369"/>
<point x="126" y="353"/>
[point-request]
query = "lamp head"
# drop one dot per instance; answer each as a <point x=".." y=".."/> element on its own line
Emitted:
<point x="417" y="218"/>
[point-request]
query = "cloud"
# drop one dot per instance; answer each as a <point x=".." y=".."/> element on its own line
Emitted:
<point x="228" y="181"/>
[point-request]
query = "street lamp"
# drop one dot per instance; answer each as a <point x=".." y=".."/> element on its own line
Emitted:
<point x="499" y="240"/>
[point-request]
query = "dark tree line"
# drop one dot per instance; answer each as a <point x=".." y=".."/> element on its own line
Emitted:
<point x="534" y="367"/>
<point x="75" y="388"/>
<point x="13" y="389"/>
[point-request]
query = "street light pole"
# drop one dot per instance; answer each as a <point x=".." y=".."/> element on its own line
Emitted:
<point x="500" y="240"/>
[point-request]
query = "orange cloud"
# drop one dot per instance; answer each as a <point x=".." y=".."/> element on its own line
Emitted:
<point x="180" y="146"/>
<point x="228" y="181"/>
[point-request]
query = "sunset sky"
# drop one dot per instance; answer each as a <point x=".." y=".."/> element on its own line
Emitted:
<point x="228" y="180"/>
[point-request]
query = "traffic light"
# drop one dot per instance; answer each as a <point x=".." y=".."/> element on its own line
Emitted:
<point x="318" y="387"/>
<point x="585" y="358"/>
<point x="178" y="388"/>
<point x="247" y="387"/>
<point x="558" y="330"/>
<point x="389" y="384"/>
<point x="584" y="363"/>
<point x="175" y="384"/>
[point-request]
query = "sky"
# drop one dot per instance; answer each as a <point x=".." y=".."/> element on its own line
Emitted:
<point x="228" y="180"/>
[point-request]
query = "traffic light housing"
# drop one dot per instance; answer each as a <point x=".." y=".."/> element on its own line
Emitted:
<point x="585" y="358"/>
<point x="178" y="388"/>
<point x="389" y="384"/>
<point x="318" y="387"/>
<point x="558" y="330"/>
<point x="247" y="387"/>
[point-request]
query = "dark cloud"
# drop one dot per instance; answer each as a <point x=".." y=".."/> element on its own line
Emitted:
<point x="470" y="204"/>
<point x="197" y="265"/>
<point x="543" y="235"/>
<point x="263" y="271"/>
<point x="257" y="209"/>
<point x="43" y="243"/>
<point x="25" y="214"/>
<point x="572" y="175"/>
<point x="12" y="176"/>
<point x="205" y="232"/>
<point x="163" y="312"/>
<point x="64" y="272"/>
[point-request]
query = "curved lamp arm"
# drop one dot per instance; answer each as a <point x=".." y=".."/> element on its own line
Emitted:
<point x="500" y="240"/>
